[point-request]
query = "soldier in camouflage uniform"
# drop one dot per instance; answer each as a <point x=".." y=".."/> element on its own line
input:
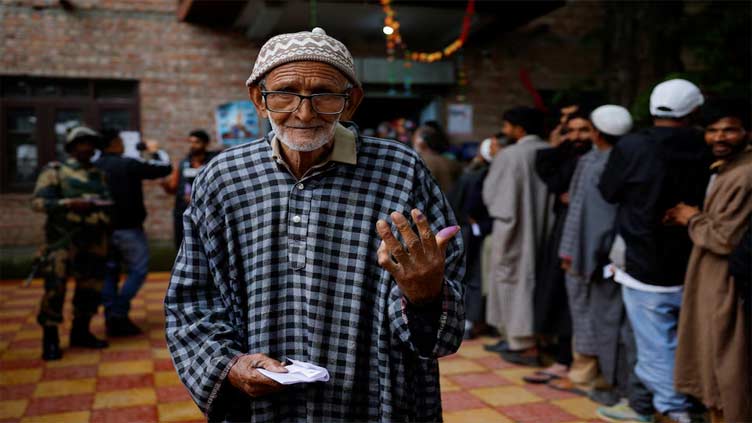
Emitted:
<point x="75" y="197"/>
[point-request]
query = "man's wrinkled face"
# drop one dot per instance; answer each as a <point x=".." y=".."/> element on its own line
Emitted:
<point x="198" y="146"/>
<point x="726" y="137"/>
<point x="305" y="129"/>
<point x="580" y="133"/>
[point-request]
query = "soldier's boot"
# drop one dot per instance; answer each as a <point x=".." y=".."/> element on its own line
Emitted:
<point x="51" y="344"/>
<point x="80" y="336"/>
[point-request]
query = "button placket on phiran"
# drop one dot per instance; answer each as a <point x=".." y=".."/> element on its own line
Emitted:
<point x="297" y="224"/>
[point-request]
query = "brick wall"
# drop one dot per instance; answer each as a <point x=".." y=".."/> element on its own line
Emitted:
<point x="185" y="71"/>
<point x="550" y="48"/>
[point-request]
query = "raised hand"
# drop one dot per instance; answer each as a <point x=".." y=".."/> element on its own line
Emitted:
<point x="419" y="268"/>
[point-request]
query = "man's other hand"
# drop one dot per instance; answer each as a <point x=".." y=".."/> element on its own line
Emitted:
<point x="244" y="376"/>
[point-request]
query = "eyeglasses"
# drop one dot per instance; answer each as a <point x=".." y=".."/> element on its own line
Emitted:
<point x="323" y="104"/>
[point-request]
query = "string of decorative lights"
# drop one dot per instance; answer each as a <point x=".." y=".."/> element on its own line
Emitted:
<point x="394" y="38"/>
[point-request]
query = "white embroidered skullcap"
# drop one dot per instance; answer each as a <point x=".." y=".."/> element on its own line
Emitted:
<point x="313" y="46"/>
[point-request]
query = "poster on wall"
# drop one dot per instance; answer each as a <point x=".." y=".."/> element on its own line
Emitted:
<point x="459" y="119"/>
<point x="237" y="123"/>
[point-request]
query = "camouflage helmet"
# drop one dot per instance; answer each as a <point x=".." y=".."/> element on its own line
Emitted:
<point x="81" y="133"/>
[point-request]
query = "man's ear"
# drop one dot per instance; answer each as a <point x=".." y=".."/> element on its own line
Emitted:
<point x="356" y="96"/>
<point x="254" y="93"/>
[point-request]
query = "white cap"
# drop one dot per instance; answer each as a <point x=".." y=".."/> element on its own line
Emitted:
<point x="612" y="120"/>
<point x="675" y="98"/>
<point x="485" y="150"/>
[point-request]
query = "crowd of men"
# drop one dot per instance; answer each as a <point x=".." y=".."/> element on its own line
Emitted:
<point x="618" y="253"/>
<point x="604" y="246"/>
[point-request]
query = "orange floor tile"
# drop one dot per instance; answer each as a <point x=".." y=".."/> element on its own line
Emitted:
<point x="134" y="381"/>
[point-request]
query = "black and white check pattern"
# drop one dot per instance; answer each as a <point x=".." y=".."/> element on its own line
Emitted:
<point x="288" y="268"/>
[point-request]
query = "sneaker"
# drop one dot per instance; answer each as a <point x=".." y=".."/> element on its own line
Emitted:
<point x="682" y="416"/>
<point x="607" y="397"/>
<point x="679" y="416"/>
<point x="622" y="413"/>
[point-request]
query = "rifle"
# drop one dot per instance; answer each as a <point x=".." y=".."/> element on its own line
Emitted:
<point x="43" y="255"/>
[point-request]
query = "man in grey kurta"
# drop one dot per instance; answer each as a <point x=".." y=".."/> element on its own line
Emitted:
<point x="281" y="260"/>
<point x="588" y="231"/>
<point x="518" y="202"/>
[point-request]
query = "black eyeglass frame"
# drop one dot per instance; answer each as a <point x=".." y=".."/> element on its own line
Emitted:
<point x="301" y="97"/>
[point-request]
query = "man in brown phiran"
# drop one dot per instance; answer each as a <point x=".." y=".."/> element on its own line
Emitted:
<point x="712" y="363"/>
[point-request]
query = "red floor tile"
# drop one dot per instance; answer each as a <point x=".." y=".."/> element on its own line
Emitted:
<point x="16" y="392"/>
<point x="163" y="365"/>
<point x="458" y="400"/>
<point x="31" y="363"/>
<point x="71" y="372"/>
<point x="536" y="412"/>
<point x="141" y="414"/>
<point x="13" y="320"/>
<point x="52" y="405"/>
<point x="158" y="343"/>
<point x="26" y="343"/>
<point x="478" y="380"/>
<point x="172" y="394"/>
<point x="122" y="382"/>
<point x="108" y="355"/>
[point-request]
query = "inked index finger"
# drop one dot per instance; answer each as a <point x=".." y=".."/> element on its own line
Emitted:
<point x="392" y="244"/>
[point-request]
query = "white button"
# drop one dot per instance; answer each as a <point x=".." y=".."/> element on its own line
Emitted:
<point x="296" y="219"/>
<point x="300" y="187"/>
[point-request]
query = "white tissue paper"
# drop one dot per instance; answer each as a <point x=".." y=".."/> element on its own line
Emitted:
<point x="298" y="372"/>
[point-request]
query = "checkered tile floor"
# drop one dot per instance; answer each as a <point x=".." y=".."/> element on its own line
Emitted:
<point x="133" y="380"/>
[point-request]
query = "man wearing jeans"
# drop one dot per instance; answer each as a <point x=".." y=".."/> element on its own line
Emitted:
<point x="647" y="173"/>
<point x="124" y="176"/>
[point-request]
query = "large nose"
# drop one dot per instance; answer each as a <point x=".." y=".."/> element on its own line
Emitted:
<point x="305" y="112"/>
<point x="717" y="136"/>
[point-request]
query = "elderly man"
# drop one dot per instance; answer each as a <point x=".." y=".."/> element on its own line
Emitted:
<point x="281" y="260"/>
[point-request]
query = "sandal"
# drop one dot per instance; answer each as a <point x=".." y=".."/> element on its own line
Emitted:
<point x="540" y="377"/>
<point x="564" y="384"/>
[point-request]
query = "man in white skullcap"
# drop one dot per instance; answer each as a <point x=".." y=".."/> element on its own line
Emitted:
<point x="647" y="173"/>
<point x="281" y="261"/>
<point x="587" y="231"/>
